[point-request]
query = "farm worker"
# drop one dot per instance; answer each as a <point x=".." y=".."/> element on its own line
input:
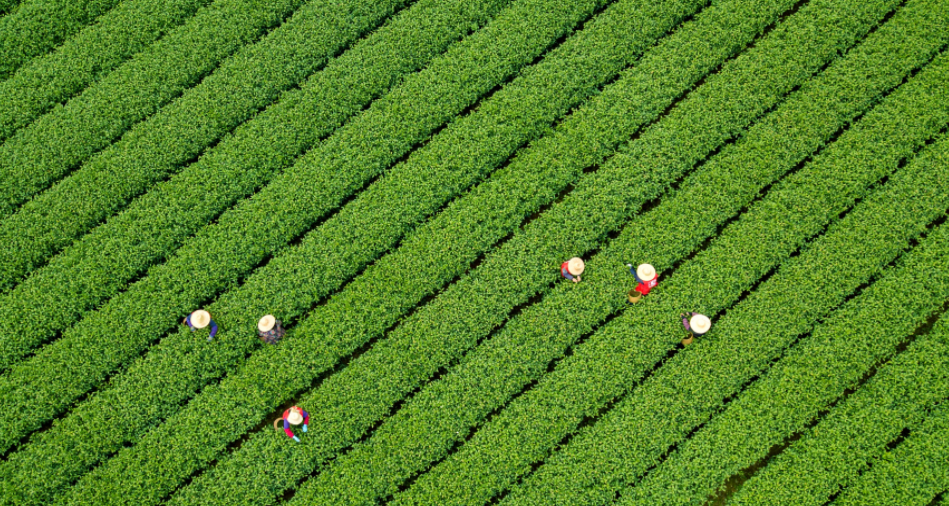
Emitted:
<point x="696" y="325"/>
<point x="292" y="416"/>
<point x="270" y="329"/>
<point x="646" y="280"/>
<point x="200" y="319"/>
<point x="572" y="269"/>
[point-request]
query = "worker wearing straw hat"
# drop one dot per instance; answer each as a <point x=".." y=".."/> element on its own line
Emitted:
<point x="572" y="269"/>
<point x="270" y="329"/>
<point x="646" y="280"/>
<point x="292" y="416"/>
<point x="200" y="319"/>
<point x="696" y="325"/>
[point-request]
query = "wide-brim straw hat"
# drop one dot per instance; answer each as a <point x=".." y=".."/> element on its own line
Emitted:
<point x="646" y="272"/>
<point x="200" y="319"/>
<point x="294" y="417"/>
<point x="575" y="266"/>
<point x="266" y="323"/>
<point x="700" y="323"/>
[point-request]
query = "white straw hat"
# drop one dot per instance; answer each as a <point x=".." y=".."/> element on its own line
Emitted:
<point x="575" y="266"/>
<point x="266" y="323"/>
<point x="200" y="319"/>
<point x="294" y="417"/>
<point x="646" y="272"/>
<point x="700" y="324"/>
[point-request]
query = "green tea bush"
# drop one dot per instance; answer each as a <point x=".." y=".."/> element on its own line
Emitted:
<point x="832" y="454"/>
<point x="915" y="472"/>
<point x="814" y="374"/>
<point x="666" y="234"/>
<point x="547" y="89"/>
<point x="434" y="95"/>
<point x="154" y="226"/>
<point x="346" y="321"/>
<point x="440" y="417"/>
<point x="157" y="147"/>
<point x="631" y="101"/>
<point x="691" y="387"/>
<point x="36" y="26"/>
<point x="8" y="5"/>
<point x="86" y="58"/>
<point x="39" y="155"/>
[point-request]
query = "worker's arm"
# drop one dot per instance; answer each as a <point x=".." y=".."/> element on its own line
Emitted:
<point x="213" y="329"/>
<point x="306" y="420"/>
<point x="685" y="321"/>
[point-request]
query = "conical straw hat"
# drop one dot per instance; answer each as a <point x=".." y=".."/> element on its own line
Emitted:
<point x="266" y="323"/>
<point x="575" y="266"/>
<point x="646" y="272"/>
<point x="700" y="323"/>
<point x="200" y="319"/>
<point x="294" y="417"/>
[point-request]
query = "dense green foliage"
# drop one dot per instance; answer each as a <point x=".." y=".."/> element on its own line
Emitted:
<point x="436" y="90"/>
<point x="661" y="412"/>
<point x="40" y="154"/>
<point x="89" y="56"/>
<point x="623" y="99"/>
<point x="814" y="374"/>
<point x="667" y="233"/>
<point x="914" y="473"/>
<point x="8" y="5"/>
<point x="546" y="84"/>
<point x="267" y="380"/>
<point x="834" y="452"/>
<point x="36" y="26"/>
<point x="153" y="149"/>
<point x="399" y="181"/>
<point x="100" y="264"/>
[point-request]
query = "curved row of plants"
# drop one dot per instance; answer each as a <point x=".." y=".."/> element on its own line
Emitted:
<point x="435" y="95"/>
<point x="915" y="472"/>
<point x="86" y="58"/>
<point x="669" y="232"/>
<point x="634" y="435"/>
<point x="155" y="225"/>
<point x="812" y="376"/>
<point x="575" y="69"/>
<point x="635" y="98"/>
<point x="833" y="453"/>
<point x="345" y="322"/>
<point x="157" y="147"/>
<point x="39" y="155"/>
<point x="37" y="26"/>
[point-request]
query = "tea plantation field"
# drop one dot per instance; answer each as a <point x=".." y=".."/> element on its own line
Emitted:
<point x="398" y="183"/>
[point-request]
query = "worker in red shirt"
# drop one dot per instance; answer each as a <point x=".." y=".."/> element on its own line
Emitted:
<point x="572" y="269"/>
<point x="646" y="280"/>
<point x="292" y="416"/>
